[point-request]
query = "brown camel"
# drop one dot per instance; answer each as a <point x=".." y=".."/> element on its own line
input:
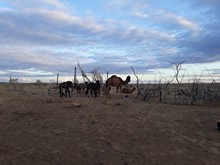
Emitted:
<point x="116" y="82"/>
<point x="128" y="91"/>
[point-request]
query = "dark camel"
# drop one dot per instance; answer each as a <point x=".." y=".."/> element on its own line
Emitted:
<point x="65" y="85"/>
<point x="116" y="82"/>
<point x="93" y="87"/>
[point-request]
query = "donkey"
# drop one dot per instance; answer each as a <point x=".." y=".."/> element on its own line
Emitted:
<point x="93" y="87"/>
<point x="66" y="85"/>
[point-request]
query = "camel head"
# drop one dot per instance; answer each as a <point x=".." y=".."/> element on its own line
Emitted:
<point x="128" y="79"/>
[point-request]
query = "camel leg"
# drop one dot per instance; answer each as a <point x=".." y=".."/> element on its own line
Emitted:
<point x="107" y="92"/>
<point x="65" y="92"/>
<point x="118" y="92"/>
<point x="87" y="91"/>
<point x="72" y="91"/>
<point x="69" y="92"/>
<point x="96" y="93"/>
<point x="60" y="92"/>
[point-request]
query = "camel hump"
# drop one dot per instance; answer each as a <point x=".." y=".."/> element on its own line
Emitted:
<point x="114" y="76"/>
<point x="69" y="82"/>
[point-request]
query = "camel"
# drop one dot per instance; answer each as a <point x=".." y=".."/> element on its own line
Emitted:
<point x="80" y="88"/>
<point x="93" y="88"/>
<point x="128" y="91"/>
<point x="65" y="85"/>
<point x="116" y="82"/>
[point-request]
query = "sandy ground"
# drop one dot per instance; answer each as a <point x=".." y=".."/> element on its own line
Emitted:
<point x="35" y="129"/>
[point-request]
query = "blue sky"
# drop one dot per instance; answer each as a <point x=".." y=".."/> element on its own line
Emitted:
<point x="40" y="38"/>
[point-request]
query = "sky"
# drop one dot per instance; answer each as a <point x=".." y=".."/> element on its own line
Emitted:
<point x="40" y="38"/>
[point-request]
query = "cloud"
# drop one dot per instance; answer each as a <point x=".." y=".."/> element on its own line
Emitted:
<point x="52" y="36"/>
<point x="55" y="3"/>
<point x="55" y="27"/>
<point x="126" y="4"/>
<point x="162" y="17"/>
<point x="175" y="19"/>
<point x="140" y="15"/>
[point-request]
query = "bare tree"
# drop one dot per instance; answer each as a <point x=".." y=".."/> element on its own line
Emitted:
<point x="83" y="74"/>
<point x="95" y="74"/>
<point x="13" y="80"/>
<point x="138" y="80"/>
<point x="178" y="68"/>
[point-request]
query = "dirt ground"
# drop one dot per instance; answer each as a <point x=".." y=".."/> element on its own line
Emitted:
<point x="48" y="130"/>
